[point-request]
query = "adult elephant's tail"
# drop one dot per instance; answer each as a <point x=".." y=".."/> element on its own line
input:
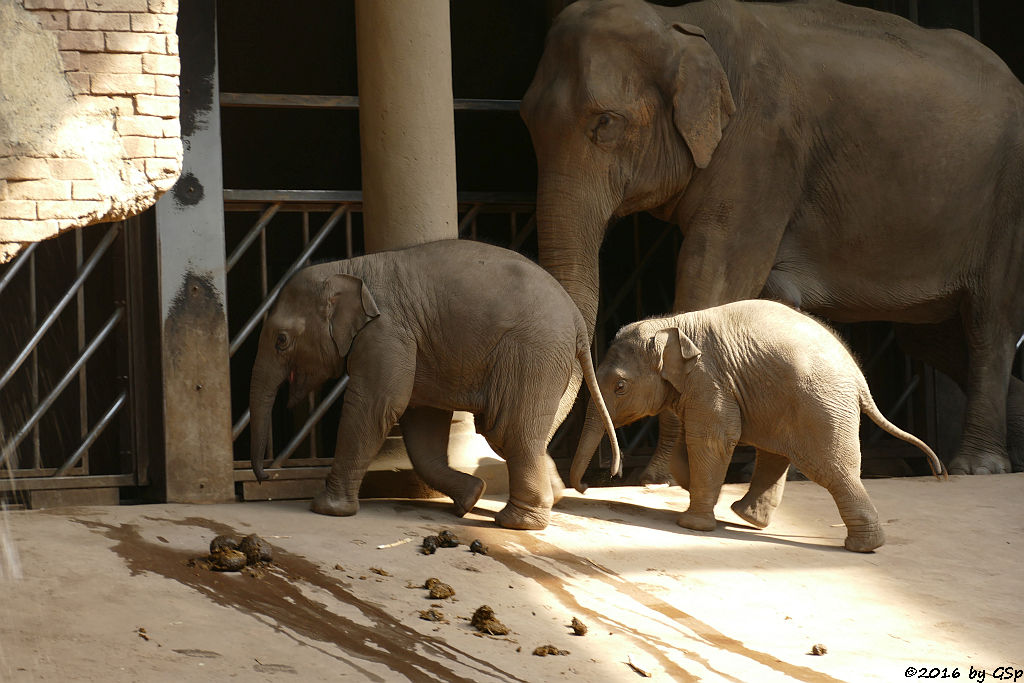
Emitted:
<point x="868" y="407"/>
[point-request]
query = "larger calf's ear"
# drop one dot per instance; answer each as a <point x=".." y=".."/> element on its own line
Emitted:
<point x="348" y="305"/>
<point x="678" y="357"/>
<point x="702" y="101"/>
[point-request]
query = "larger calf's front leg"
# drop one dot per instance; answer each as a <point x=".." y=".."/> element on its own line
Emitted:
<point x="426" y="431"/>
<point x="765" y="492"/>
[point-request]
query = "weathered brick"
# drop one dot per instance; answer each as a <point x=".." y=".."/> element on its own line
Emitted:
<point x="172" y="128"/>
<point x="164" y="183"/>
<point x="162" y="168"/>
<point x="112" y="64"/>
<point x="154" y="23"/>
<point x="86" y="189"/>
<point x="163" y="6"/>
<point x="71" y="169"/>
<point x="24" y="168"/>
<point x="118" y="5"/>
<point x="166" y="65"/>
<point x="167" y="147"/>
<point x="149" y="126"/>
<point x="3" y="189"/>
<point x="68" y="209"/>
<point x="53" y="20"/>
<point x="83" y="41"/>
<point x="79" y="81"/>
<point x="39" y="189"/>
<point x="20" y="209"/>
<point x="136" y="146"/>
<point x="124" y="106"/>
<point x="26" y="231"/>
<point x="72" y="60"/>
<point x="172" y="43"/>
<point x="122" y="41"/>
<point x="122" y="84"/>
<point x="55" y="4"/>
<point x="155" y="105"/>
<point x="166" y="85"/>
<point x="100" y="21"/>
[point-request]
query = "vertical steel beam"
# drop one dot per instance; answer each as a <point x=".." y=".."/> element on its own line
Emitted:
<point x="197" y="464"/>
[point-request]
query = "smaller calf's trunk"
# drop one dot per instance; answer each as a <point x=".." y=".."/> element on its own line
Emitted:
<point x="590" y="439"/>
<point x="263" y="391"/>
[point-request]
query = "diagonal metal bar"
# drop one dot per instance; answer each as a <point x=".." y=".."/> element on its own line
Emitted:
<point x="94" y="434"/>
<point x="877" y="433"/>
<point x="240" y="425"/>
<point x="326" y="403"/>
<point x="627" y="287"/>
<point x="468" y="219"/>
<point x="83" y="273"/>
<point x="251" y="236"/>
<point x="250" y="325"/>
<point x="523" y="234"/>
<point x="11" y="445"/>
<point x="20" y="261"/>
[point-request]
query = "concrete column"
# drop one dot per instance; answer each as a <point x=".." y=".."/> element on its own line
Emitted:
<point x="407" y="140"/>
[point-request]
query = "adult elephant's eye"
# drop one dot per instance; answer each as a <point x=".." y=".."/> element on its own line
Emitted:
<point x="606" y="128"/>
<point x="603" y="120"/>
<point x="281" y="343"/>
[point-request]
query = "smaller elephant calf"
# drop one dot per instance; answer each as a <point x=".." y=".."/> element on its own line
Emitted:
<point x="756" y="373"/>
<point x="424" y="331"/>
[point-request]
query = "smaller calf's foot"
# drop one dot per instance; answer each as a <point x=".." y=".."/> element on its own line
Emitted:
<point x="326" y="504"/>
<point x="696" y="521"/>
<point x="755" y="513"/>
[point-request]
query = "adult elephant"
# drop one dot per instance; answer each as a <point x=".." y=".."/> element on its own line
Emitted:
<point x="842" y="160"/>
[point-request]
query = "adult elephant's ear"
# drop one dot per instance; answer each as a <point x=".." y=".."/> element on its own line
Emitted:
<point x="348" y="305"/>
<point x="679" y="355"/>
<point x="702" y="101"/>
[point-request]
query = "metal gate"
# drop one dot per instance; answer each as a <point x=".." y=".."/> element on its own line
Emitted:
<point x="68" y="358"/>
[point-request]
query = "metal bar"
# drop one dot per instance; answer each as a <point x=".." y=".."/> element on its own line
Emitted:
<point x="251" y="236"/>
<point x="285" y="473"/>
<point x="348" y="235"/>
<point x="344" y="102"/>
<point x="469" y="218"/>
<point x="880" y="350"/>
<point x="83" y="385"/>
<point x="91" y="437"/>
<point x="895" y="407"/>
<point x="11" y="445"/>
<point x="356" y="197"/>
<point x="76" y="482"/>
<point x="326" y="403"/>
<point x="240" y="425"/>
<point x="16" y="265"/>
<point x="637" y="272"/>
<point x="240" y="338"/>
<point x="523" y="234"/>
<point x="37" y="450"/>
<point x="86" y="270"/>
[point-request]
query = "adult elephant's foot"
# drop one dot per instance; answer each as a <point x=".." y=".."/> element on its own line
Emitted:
<point x="514" y="516"/>
<point x="697" y="521"/>
<point x="327" y="504"/>
<point x="755" y="511"/>
<point x="465" y="500"/>
<point x="864" y="540"/>
<point x="970" y="461"/>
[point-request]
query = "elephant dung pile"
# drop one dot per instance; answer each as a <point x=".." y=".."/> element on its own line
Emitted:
<point x="228" y="554"/>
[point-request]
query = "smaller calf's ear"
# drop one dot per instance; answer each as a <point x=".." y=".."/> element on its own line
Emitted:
<point x="348" y="305"/>
<point x="678" y="357"/>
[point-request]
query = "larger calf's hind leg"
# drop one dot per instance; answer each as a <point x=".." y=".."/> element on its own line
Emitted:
<point x="765" y="492"/>
<point x="529" y="485"/>
<point x="863" y="531"/>
<point x="425" y="431"/>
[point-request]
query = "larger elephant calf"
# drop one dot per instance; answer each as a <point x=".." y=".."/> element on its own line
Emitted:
<point x="422" y="332"/>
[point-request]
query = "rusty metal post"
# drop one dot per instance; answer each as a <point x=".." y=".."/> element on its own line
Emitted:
<point x="198" y="462"/>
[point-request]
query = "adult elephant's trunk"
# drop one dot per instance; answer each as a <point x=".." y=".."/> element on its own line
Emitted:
<point x="570" y="230"/>
<point x="267" y="377"/>
<point x="590" y="439"/>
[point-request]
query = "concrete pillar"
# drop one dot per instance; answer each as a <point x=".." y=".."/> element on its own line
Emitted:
<point x="407" y="140"/>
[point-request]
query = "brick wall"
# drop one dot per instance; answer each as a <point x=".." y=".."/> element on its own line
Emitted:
<point x="104" y="142"/>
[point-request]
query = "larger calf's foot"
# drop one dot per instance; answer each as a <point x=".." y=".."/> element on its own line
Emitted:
<point x="326" y="504"/>
<point x="864" y="541"/>
<point x="465" y="501"/>
<point x="697" y="521"/>
<point x="513" y="516"/>
<point x="754" y="511"/>
<point x="979" y="462"/>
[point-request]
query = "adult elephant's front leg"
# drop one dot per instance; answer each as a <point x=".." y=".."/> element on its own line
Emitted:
<point x="426" y="431"/>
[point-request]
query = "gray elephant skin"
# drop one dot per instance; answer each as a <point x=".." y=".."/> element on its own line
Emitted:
<point x="422" y="332"/>
<point x="839" y="159"/>
<point x="755" y="373"/>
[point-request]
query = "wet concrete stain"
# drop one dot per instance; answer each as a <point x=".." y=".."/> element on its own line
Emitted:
<point x="276" y="599"/>
<point x="580" y="565"/>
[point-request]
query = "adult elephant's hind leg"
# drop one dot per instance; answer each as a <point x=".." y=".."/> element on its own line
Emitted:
<point x="765" y="493"/>
<point x="425" y="431"/>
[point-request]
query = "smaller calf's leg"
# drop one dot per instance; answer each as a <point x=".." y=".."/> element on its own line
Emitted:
<point x="765" y="493"/>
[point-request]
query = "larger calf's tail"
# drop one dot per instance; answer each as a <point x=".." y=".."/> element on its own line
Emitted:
<point x="868" y="407"/>
<point x="590" y="377"/>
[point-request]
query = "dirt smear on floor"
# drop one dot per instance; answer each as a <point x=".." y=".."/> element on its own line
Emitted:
<point x="276" y="598"/>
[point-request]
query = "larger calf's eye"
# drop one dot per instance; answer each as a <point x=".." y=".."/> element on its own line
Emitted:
<point x="281" y="343"/>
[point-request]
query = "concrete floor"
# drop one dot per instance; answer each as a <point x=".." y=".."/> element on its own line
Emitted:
<point x="105" y="593"/>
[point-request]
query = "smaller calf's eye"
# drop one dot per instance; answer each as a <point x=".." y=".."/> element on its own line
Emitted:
<point x="620" y="387"/>
<point x="281" y="343"/>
